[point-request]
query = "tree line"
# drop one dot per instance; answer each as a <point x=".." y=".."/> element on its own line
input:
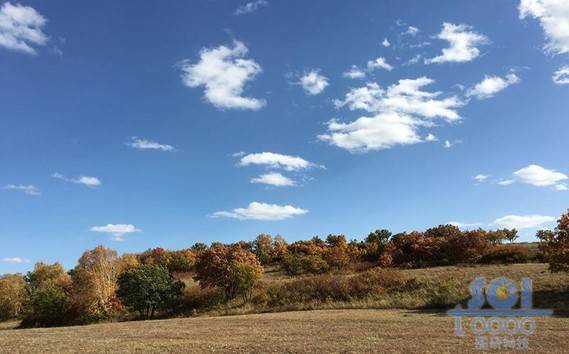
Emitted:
<point x="104" y="286"/>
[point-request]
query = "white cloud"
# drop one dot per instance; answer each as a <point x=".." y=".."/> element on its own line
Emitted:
<point x="274" y="179"/>
<point x="313" y="83"/>
<point x="143" y="144"/>
<point x="385" y="43"/>
<point x="261" y="211"/>
<point x="463" y="225"/>
<point x="506" y="182"/>
<point x="21" y="28"/>
<point x="398" y="113"/>
<point x="522" y="221"/>
<point x="15" y="260"/>
<point x="379" y="63"/>
<point x="27" y="189"/>
<point x="223" y="72"/>
<point x="463" y="44"/>
<point x="561" y="187"/>
<point x="430" y="137"/>
<point x="539" y="176"/>
<point x="381" y="131"/>
<point x="412" y="31"/>
<point x="274" y="160"/>
<point x="404" y="97"/>
<point x="481" y="177"/>
<point x="561" y="76"/>
<point x="491" y="85"/>
<point x="85" y="180"/>
<point x="116" y="230"/>
<point x="413" y="60"/>
<point x="448" y="144"/>
<point x="354" y="73"/>
<point x="250" y="7"/>
<point x="553" y="16"/>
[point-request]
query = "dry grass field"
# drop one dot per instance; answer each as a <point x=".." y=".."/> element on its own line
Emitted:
<point x="359" y="326"/>
<point x="347" y="331"/>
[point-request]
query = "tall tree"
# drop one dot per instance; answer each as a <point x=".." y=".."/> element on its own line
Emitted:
<point x="94" y="282"/>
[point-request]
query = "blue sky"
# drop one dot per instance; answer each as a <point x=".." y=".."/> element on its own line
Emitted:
<point x="143" y="124"/>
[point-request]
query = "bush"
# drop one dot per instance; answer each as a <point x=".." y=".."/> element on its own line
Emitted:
<point x="327" y="287"/>
<point x="501" y="254"/>
<point x="296" y="264"/>
<point x="232" y="269"/>
<point x="148" y="288"/>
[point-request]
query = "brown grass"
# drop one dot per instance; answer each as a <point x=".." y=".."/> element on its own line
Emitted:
<point x="348" y="331"/>
<point x="350" y="326"/>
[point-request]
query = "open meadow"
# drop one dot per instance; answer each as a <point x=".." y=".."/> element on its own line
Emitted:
<point x="346" y="331"/>
<point x="368" y="325"/>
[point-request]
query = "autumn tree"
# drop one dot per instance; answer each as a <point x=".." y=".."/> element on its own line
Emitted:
<point x="510" y="234"/>
<point x="148" y="288"/>
<point x="263" y="248"/>
<point x="554" y="245"/>
<point x="218" y="266"/>
<point x="94" y="283"/>
<point x="378" y="236"/>
<point x="48" y="296"/>
<point x="12" y="296"/>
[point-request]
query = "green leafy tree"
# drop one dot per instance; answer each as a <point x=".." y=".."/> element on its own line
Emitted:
<point x="510" y="234"/>
<point x="48" y="300"/>
<point x="263" y="248"/>
<point x="379" y="236"/>
<point x="148" y="288"/>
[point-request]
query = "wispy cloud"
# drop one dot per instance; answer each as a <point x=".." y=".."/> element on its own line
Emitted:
<point x="561" y="76"/>
<point x="250" y="7"/>
<point x="261" y="211"/>
<point x="84" y="180"/>
<point x="116" y="230"/>
<point x="28" y="189"/>
<point x="491" y="85"/>
<point x="15" y="260"/>
<point x="143" y="144"/>
<point x="274" y="160"/>
<point x="354" y="73"/>
<point x="223" y="72"/>
<point x="523" y="221"/>
<point x="274" y="179"/>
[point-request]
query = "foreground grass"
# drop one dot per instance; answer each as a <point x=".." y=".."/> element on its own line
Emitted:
<point x="353" y="331"/>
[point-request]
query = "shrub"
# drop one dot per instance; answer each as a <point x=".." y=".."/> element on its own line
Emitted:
<point x="327" y="287"/>
<point x="465" y="247"/>
<point x="296" y="264"/>
<point x="12" y="296"/>
<point x="500" y="254"/>
<point x="148" y="288"/>
<point x="222" y="267"/>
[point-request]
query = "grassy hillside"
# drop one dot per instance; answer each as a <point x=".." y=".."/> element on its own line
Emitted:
<point x="428" y="288"/>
